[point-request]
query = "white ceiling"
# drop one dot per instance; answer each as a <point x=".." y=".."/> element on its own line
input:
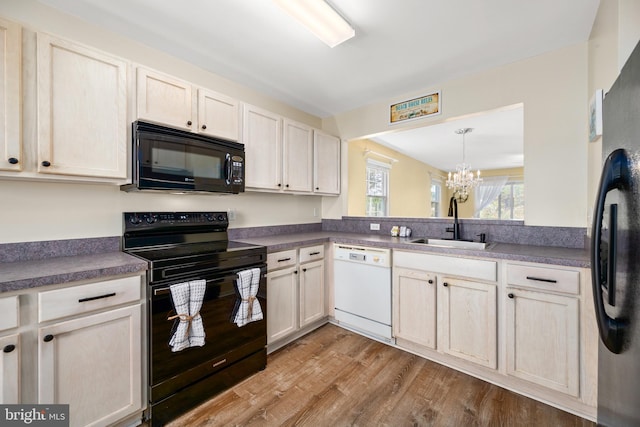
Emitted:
<point x="400" y="48"/>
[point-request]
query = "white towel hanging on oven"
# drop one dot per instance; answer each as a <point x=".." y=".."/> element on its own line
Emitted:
<point x="249" y="309"/>
<point x="187" y="301"/>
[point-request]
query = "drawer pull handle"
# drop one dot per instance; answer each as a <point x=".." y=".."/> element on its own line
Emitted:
<point x="284" y="259"/>
<point x="539" y="279"/>
<point x="511" y="296"/>
<point x="9" y="348"/>
<point x="48" y="338"/>
<point x="113" y="294"/>
<point x="221" y="362"/>
<point x="314" y="253"/>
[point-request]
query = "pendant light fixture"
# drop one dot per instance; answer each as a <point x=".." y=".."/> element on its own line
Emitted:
<point x="462" y="181"/>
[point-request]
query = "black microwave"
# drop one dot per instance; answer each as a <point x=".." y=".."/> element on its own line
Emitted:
<point x="179" y="161"/>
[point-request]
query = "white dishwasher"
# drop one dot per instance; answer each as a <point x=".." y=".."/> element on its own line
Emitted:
<point x="362" y="289"/>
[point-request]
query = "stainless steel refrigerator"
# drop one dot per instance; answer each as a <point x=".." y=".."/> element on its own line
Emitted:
<point x="615" y="252"/>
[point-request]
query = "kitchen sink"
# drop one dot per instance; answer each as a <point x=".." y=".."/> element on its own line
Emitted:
<point x="458" y="244"/>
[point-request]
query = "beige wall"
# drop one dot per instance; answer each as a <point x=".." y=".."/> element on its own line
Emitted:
<point x="409" y="181"/>
<point x="552" y="88"/>
<point x="40" y="210"/>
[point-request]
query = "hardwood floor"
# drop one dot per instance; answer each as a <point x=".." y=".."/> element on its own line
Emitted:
<point x="333" y="377"/>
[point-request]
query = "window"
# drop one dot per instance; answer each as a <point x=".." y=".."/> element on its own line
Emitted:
<point x="509" y="204"/>
<point x="436" y="197"/>
<point x="377" y="188"/>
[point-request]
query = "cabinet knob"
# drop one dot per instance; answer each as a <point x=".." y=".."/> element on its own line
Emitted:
<point x="204" y="127"/>
<point x="445" y="284"/>
<point x="9" y="348"/>
<point x="13" y="160"/>
<point x="304" y="270"/>
<point x="46" y="164"/>
<point x="48" y="338"/>
<point x="287" y="185"/>
<point x="295" y="272"/>
<point x="189" y="123"/>
<point x="511" y="296"/>
<point x="430" y="281"/>
<point x="279" y="185"/>
<point x="317" y="188"/>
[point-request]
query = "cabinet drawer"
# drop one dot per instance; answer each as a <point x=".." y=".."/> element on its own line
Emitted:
<point x="544" y="278"/>
<point x="9" y="310"/>
<point x="462" y="267"/>
<point x="311" y="253"/>
<point x="282" y="259"/>
<point x="85" y="298"/>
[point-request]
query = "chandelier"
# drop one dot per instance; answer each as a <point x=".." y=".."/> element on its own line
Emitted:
<point x="462" y="181"/>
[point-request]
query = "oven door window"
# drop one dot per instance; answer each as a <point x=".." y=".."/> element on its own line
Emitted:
<point x="225" y="342"/>
<point x="178" y="163"/>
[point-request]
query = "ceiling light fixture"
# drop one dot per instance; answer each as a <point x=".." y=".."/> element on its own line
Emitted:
<point x="462" y="180"/>
<point x="319" y="18"/>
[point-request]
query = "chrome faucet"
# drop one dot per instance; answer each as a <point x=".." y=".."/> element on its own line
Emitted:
<point x="453" y="211"/>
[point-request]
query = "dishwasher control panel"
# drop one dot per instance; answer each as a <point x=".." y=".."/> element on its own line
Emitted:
<point x="363" y="255"/>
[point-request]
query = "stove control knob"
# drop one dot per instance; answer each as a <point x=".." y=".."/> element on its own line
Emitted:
<point x="221" y="217"/>
<point x="151" y="219"/>
<point x="209" y="217"/>
<point x="135" y="220"/>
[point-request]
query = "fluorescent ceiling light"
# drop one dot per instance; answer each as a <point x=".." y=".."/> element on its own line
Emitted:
<point x="319" y="18"/>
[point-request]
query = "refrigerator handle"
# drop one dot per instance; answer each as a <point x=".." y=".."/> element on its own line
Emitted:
<point x="615" y="175"/>
<point x="612" y="254"/>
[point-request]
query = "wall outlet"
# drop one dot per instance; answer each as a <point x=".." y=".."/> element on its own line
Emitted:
<point x="231" y="213"/>
<point x="374" y="227"/>
<point x="315" y="212"/>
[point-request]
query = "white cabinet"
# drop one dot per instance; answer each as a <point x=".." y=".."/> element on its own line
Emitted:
<point x="312" y="289"/>
<point x="262" y="138"/>
<point x="326" y="163"/>
<point x="297" y="172"/>
<point x="446" y="304"/>
<point x="90" y="350"/>
<point x="81" y="110"/>
<point x="282" y="303"/>
<point x="414" y="307"/>
<point x="468" y="325"/>
<point x="10" y="347"/>
<point x="164" y="99"/>
<point x="295" y="293"/>
<point x="543" y="326"/>
<point x="177" y="103"/>
<point x="11" y="153"/>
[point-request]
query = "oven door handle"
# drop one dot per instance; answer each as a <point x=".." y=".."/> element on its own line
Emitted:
<point x="167" y="289"/>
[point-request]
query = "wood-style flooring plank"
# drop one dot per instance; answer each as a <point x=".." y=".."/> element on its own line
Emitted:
<point x="334" y="377"/>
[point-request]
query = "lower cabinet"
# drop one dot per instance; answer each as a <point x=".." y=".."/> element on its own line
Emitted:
<point x="542" y="328"/>
<point x="10" y="356"/>
<point x="414" y="306"/>
<point x="10" y="369"/>
<point x="468" y="325"/>
<point x="295" y="292"/>
<point x="90" y="350"/>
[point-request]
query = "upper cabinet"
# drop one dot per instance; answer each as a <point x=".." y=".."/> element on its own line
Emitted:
<point x="167" y="100"/>
<point x="326" y="163"/>
<point x="81" y="110"/>
<point x="287" y="156"/>
<point x="10" y="105"/>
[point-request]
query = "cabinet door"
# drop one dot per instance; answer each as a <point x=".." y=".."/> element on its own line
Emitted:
<point x="9" y="370"/>
<point x="218" y="115"/>
<point x="542" y="339"/>
<point x="326" y="163"/>
<point x="467" y="320"/>
<point x="311" y="292"/>
<point x="10" y="106"/>
<point x="82" y="110"/>
<point x="414" y="306"/>
<point x="262" y="138"/>
<point x="164" y="99"/>
<point x="298" y="157"/>
<point x="93" y="363"/>
<point x="282" y="295"/>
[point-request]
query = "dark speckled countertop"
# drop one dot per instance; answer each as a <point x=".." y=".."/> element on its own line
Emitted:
<point x="35" y="273"/>
<point x="529" y="253"/>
